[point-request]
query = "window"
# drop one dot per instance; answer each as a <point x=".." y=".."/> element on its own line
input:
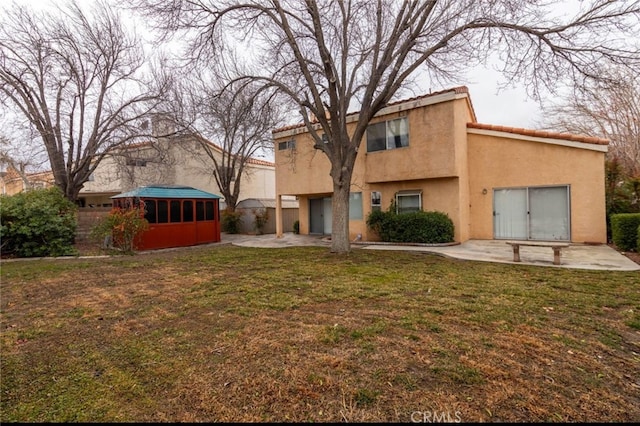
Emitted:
<point x="136" y="162"/>
<point x="287" y="145"/>
<point x="175" y="211"/>
<point x="199" y="211"/>
<point x="187" y="211"/>
<point x="355" y="206"/>
<point x="208" y="210"/>
<point x="376" y="201"/>
<point x="163" y="211"/>
<point x="389" y="134"/>
<point x="150" y="211"/>
<point x="408" y="201"/>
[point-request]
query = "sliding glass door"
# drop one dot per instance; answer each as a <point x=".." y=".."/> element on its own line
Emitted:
<point x="532" y="213"/>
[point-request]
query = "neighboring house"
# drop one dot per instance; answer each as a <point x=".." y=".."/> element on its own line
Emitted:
<point x="13" y="181"/>
<point x="430" y="153"/>
<point x="178" y="160"/>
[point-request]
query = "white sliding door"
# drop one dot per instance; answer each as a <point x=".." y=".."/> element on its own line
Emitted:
<point x="510" y="213"/>
<point x="535" y="213"/>
<point x="549" y="213"/>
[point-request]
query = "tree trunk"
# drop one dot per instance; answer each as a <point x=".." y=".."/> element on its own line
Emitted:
<point x="340" y="219"/>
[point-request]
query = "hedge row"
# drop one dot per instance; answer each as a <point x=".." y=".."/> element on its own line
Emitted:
<point x="625" y="231"/>
<point x="37" y="223"/>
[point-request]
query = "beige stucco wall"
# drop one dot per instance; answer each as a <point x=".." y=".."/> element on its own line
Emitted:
<point x="500" y="161"/>
<point x="435" y="163"/>
<point x="451" y="165"/>
<point x="176" y="164"/>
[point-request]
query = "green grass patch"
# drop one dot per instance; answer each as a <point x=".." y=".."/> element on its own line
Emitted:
<point x="232" y="334"/>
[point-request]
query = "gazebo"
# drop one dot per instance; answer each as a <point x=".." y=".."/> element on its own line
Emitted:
<point x="178" y="216"/>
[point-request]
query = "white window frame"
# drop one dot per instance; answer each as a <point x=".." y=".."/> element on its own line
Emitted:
<point x="376" y="201"/>
<point x="408" y="194"/>
<point x="389" y="144"/>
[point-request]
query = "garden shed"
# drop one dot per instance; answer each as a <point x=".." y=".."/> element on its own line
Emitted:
<point x="252" y="207"/>
<point x="178" y="216"/>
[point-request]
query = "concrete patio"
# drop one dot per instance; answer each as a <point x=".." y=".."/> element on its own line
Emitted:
<point x="577" y="256"/>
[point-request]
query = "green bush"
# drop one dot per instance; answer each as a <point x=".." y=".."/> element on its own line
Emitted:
<point x="638" y="242"/>
<point x="624" y="230"/>
<point x="231" y="221"/>
<point x="417" y="227"/>
<point x="123" y="227"/>
<point x="37" y="223"/>
<point x="296" y="227"/>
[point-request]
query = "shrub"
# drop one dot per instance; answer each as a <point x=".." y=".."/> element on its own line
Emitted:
<point x="122" y="227"/>
<point x="638" y="242"/>
<point x="231" y="221"/>
<point x="624" y="230"/>
<point x="262" y="217"/>
<point x="36" y="223"/>
<point x="296" y="227"/>
<point x="418" y="227"/>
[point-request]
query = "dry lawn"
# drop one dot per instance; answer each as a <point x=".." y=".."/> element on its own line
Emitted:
<point x="232" y="334"/>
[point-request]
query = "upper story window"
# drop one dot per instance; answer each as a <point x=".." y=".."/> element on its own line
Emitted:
<point x="136" y="162"/>
<point x="388" y="134"/>
<point x="291" y="144"/>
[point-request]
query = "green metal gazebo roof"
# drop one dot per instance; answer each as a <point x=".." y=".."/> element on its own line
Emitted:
<point x="167" y="191"/>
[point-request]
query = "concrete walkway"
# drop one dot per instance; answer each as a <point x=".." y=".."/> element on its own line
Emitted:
<point x="578" y="256"/>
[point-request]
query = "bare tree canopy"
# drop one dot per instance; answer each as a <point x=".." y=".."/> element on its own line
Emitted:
<point x="75" y="77"/>
<point x="331" y="57"/>
<point x="238" y="121"/>
<point x="609" y="108"/>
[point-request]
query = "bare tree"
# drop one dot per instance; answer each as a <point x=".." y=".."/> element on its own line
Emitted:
<point x="239" y="122"/>
<point x="22" y="158"/>
<point x="75" y="77"/>
<point x="610" y="109"/>
<point x="332" y="56"/>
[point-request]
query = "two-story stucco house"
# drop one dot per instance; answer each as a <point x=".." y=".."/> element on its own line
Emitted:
<point x="430" y="153"/>
<point x="179" y="160"/>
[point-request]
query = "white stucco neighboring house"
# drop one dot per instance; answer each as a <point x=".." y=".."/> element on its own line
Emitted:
<point x="176" y="160"/>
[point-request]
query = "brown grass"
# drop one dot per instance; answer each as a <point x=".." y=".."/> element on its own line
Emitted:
<point x="239" y="334"/>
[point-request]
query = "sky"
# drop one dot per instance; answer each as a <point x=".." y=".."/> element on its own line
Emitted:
<point x="507" y="107"/>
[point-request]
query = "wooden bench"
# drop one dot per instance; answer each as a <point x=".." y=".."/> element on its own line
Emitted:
<point x="555" y="246"/>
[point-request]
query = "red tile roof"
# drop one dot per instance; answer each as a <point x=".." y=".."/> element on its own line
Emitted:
<point x="540" y="133"/>
<point x="457" y="90"/>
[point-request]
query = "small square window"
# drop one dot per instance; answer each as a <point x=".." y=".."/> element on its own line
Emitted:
<point x="376" y="201"/>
